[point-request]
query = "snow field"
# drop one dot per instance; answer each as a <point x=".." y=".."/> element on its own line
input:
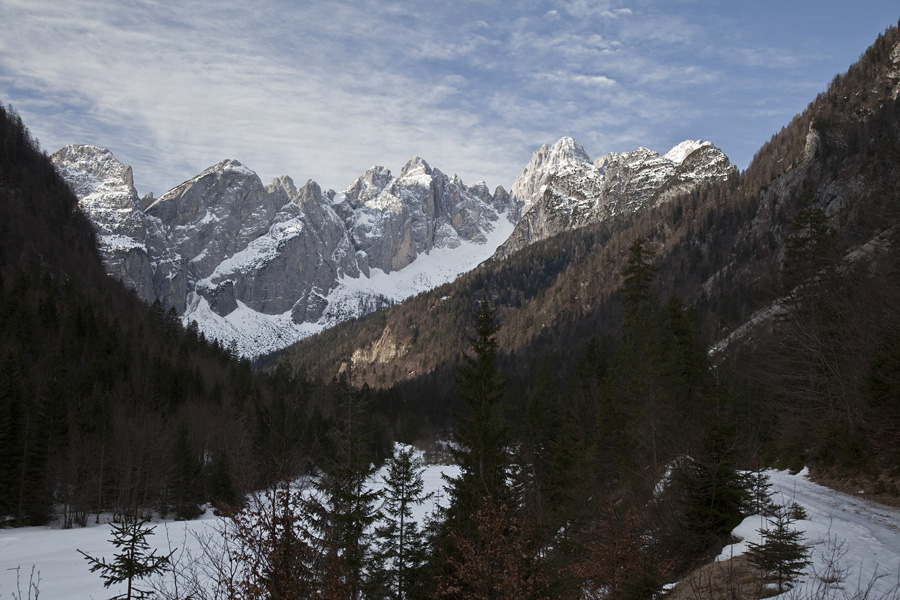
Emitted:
<point x="868" y="532"/>
<point x="64" y="573"/>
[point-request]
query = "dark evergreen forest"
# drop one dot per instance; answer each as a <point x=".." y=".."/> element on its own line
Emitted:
<point x="611" y="390"/>
<point x="107" y="404"/>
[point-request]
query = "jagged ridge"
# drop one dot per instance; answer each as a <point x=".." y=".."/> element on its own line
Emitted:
<point x="266" y="265"/>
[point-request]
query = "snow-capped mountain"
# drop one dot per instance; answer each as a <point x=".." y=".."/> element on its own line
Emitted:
<point x="562" y="189"/>
<point x="105" y="189"/>
<point x="266" y="265"/>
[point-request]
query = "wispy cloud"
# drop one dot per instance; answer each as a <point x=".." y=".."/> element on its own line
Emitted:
<point x="326" y="90"/>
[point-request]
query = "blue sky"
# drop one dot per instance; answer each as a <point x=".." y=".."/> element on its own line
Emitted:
<point x="324" y="90"/>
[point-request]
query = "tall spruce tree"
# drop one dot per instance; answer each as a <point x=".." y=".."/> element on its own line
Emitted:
<point x="481" y="436"/>
<point x="639" y="282"/>
<point x="401" y="552"/>
<point x="481" y="539"/>
<point x="345" y="515"/>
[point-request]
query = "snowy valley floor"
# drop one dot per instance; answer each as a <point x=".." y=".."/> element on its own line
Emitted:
<point x="870" y="534"/>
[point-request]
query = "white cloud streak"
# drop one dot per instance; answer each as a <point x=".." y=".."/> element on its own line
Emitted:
<point x="326" y="90"/>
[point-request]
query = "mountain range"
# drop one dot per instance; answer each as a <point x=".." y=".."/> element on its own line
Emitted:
<point x="262" y="266"/>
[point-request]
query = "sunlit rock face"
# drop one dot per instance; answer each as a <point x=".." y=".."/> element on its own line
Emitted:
<point x="562" y="189"/>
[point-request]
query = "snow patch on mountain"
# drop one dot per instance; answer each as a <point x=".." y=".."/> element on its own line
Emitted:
<point x="681" y="151"/>
<point x="255" y="333"/>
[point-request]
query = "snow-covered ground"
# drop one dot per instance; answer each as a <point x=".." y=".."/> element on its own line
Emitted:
<point x="64" y="573"/>
<point x="866" y="535"/>
<point x="869" y="532"/>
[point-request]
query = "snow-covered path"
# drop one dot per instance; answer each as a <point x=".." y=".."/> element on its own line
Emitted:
<point x="868" y="532"/>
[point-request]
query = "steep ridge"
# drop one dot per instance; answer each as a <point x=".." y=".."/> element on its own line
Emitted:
<point x="97" y="389"/>
<point x="566" y="190"/>
<point x="105" y="189"/>
<point x="262" y="266"/>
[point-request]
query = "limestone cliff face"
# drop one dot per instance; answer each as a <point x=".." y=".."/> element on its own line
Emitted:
<point x="241" y="257"/>
<point x="105" y="189"/>
<point x="567" y="190"/>
<point x="394" y="220"/>
<point x="224" y="246"/>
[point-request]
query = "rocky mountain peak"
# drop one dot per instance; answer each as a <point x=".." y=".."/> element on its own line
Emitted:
<point x="368" y="186"/>
<point x="567" y="150"/>
<point x="311" y="192"/>
<point x="545" y="161"/>
<point x="568" y="191"/>
<point x="285" y="185"/>
<point x="105" y="191"/>
<point x="227" y="187"/>
<point x="415" y="166"/>
<point x="95" y="171"/>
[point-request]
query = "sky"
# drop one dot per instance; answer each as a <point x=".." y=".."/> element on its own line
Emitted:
<point x="325" y="90"/>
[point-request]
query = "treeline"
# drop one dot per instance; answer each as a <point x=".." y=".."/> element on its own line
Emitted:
<point x="110" y="405"/>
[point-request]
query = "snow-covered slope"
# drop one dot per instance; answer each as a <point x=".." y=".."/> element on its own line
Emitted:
<point x="263" y="266"/>
<point x="258" y="333"/>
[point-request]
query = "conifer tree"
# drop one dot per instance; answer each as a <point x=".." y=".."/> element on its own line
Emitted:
<point x="133" y="562"/>
<point x="782" y="553"/>
<point x="633" y="420"/>
<point x="481" y="546"/>
<point x="638" y="285"/>
<point x="344" y="516"/>
<point x="718" y="494"/>
<point x="480" y="434"/>
<point x="402" y="551"/>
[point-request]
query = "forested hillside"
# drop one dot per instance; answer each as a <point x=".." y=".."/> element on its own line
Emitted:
<point x="812" y="217"/>
<point x="110" y="405"/>
<point x="647" y="358"/>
